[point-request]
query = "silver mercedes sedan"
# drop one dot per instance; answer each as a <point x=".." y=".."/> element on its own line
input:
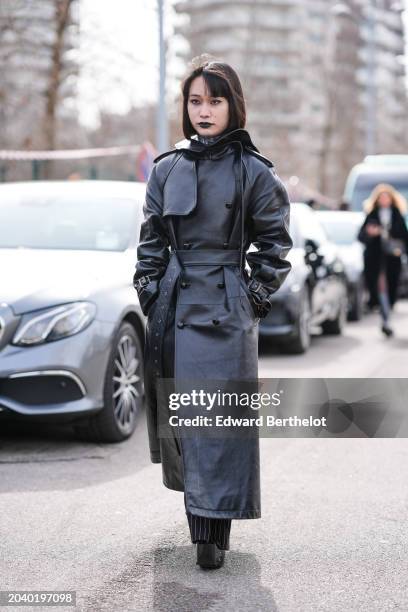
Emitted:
<point x="71" y="328"/>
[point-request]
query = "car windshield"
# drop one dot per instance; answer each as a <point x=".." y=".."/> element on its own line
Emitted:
<point x="365" y="183"/>
<point x="341" y="232"/>
<point x="305" y="226"/>
<point x="66" y="222"/>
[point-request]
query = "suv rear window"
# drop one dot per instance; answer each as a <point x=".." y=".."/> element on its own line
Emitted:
<point x="365" y="183"/>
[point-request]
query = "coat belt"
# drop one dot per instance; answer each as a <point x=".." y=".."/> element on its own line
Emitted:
<point x="180" y="258"/>
<point x="208" y="257"/>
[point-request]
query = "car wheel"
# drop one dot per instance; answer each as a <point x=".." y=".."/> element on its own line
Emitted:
<point x="335" y="327"/>
<point x="123" y="391"/>
<point x="357" y="308"/>
<point x="301" y="341"/>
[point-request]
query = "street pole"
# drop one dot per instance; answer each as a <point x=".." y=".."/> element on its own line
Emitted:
<point x="162" y="138"/>
<point x="369" y="18"/>
<point x="330" y="91"/>
<point x="371" y="109"/>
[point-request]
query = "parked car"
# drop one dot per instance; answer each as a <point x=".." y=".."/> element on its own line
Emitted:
<point x="403" y="282"/>
<point x="391" y="169"/>
<point x="71" y="329"/>
<point x="314" y="294"/>
<point x="342" y="228"/>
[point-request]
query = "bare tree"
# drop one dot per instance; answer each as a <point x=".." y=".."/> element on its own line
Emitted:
<point x="37" y="69"/>
<point x="57" y="72"/>
<point x="60" y="69"/>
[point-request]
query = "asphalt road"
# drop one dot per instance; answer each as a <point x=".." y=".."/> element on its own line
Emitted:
<point x="333" y="537"/>
<point x="361" y="352"/>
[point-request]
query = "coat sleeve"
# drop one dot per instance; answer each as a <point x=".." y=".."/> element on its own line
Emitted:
<point x="152" y="251"/>
<point x="362" y="234"/>
<point x="269" y="214"/>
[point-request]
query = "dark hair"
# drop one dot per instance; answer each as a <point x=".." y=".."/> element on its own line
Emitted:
<point x="221" y="81"/>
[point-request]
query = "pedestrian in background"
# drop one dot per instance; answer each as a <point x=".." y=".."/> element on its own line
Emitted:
<point x="207" y="201"/>
<point x="385" y="235"/>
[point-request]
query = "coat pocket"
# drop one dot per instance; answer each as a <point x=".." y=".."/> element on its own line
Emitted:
<point x="247" y="300"/>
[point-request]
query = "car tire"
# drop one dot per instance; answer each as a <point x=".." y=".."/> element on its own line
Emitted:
<point x="357" y="309"/>
<point x="335" y="327"/>
<point x="122" y="393"/>
<point x="301" y="341"/>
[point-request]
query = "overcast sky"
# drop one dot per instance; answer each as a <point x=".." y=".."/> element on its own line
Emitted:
<point x="120" y="54"/>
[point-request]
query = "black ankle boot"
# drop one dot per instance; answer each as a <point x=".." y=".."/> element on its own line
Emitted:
<point x="386" y="329"/>
<point x="209" y="556"/>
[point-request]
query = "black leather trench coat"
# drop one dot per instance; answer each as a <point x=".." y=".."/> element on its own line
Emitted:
<point x="202" y="323"/>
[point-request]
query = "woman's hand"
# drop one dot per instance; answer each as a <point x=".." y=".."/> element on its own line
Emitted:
<point x="373" y="229"/>
<point x="260" y="299"/>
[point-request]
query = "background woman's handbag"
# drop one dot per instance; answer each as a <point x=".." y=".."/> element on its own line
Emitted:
<point x="393" y="246"/>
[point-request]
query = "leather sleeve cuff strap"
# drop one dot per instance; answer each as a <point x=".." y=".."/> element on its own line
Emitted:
<point x="255" y="286"/>
<point x="142" y="282"/>
<point x="258" y="290"/>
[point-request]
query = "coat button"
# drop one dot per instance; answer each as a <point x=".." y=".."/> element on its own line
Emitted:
<point x="187" y="245"/>
<point x="225" y="245"/>
<point x="180" y="324"/>
<point x="184" y="284"/>
<point x="216" y="322"/>
<point x="228" y="204"/>
<point x="221" y="285"/>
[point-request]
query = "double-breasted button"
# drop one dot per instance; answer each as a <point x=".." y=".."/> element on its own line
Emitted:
<point x="228" y="204"/>
<point x="180" y="324"/>
<point x="187" y="245"/>
<point x="184" y="284"/>
<point x="225" y="245"/>
<point x="216" y="322"/>
<point x="221" y="285"/>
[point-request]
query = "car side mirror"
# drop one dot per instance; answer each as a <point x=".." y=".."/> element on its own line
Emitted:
<point x="312" y="255"/>
<point x="311" y="246"/>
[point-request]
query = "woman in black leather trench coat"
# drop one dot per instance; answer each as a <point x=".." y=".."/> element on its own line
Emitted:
<point x="385" y="236"/>
<point x="207" y="201"/>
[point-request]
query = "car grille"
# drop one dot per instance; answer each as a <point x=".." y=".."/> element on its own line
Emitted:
<point x="40" y="390"/>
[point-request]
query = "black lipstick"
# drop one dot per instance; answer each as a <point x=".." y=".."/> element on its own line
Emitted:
<point x="205" y="124"/>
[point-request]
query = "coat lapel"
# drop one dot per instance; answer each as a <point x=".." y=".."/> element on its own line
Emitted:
<point x="180" y="192"/>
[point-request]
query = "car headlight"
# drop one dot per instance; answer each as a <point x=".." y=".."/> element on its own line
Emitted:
<point x="54" y="323"/>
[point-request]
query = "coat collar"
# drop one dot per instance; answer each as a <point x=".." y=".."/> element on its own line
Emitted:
<point x="196" y="146"/>
<point x="192" y="148"/>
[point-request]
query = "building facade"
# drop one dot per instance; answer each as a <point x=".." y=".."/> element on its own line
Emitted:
<point x="324" y="80"/>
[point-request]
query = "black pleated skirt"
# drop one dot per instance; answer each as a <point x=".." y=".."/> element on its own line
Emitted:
<point x="211" y="530"/>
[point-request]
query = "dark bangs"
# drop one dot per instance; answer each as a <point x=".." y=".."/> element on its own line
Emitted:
<point x="217" y="87"/>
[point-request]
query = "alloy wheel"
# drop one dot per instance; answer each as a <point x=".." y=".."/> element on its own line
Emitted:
<point x="127" y="382"/>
